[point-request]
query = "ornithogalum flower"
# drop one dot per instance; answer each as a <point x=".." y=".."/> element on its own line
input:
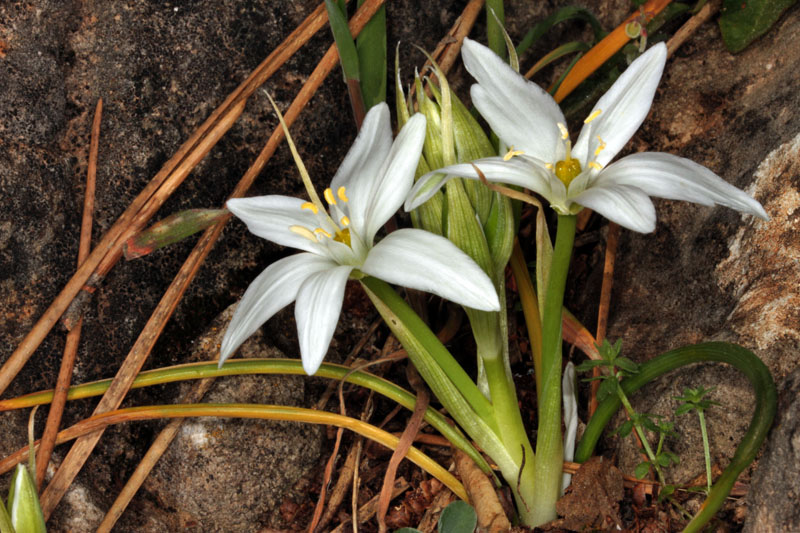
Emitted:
<point x="542" y="158"/>
<point x="338" y="243"/>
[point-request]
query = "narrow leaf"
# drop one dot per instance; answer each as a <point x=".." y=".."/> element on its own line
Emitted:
<point x="371" y="47"/>
<point x="348" y="55"/>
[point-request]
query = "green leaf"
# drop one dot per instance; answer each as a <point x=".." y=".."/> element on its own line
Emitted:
<point x="744" y="21"/>
<point x="563" y="14"/>
<point x="170" y="230"/>
<point x="5" y="521"/>
<point x="642" y="469"/>
<point x="606" y="389"/>
<point x="626" y="365"/>
<point x="494" y="27"/>
<point x="684" y="408"/>
<point x="665" y="492"/>
<point x="458" y="517"/>
<point x="589" y="364"/>
<point x="344" y="40"/>
<point x="371" y="47"/>
<point x="625" y="429"/>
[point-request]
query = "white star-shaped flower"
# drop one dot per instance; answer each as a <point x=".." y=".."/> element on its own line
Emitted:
<point x="337" y="242"/>
<point x="542" y="158"/>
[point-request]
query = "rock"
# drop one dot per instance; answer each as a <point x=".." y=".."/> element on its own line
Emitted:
<point x="772" y="500"/>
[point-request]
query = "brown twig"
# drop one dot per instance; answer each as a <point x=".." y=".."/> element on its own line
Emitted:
<point x="446" y="52"/>
<point x="691" y="25"/>
<point x="406" y="440"/>
<point x="74" y="335"/>
<point x="605" y="303"/>
<point x="367" y="511"/>
<point x="111" y="243"/>
<point x="155" y="325"/>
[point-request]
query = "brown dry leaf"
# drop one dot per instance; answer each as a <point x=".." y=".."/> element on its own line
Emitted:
<point x="491" y="517"/>
<point x="592" y="500"/>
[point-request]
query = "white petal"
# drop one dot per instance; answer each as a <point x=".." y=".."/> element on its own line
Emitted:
<point x="270" y="217"/>
<point x="627" y="206"/>
<point x="389" y="188"/>
<point x="364" y="160"/>
<point x="623" y="108"/>
<point x="275" y="288"/>
<point x="676" y="178"/>
<point x="521" y="113"/>
<point x="523" y="171"/>
<point x="568" y="397"/>
<point x="421" y="260"/>
<point x="316" y="311"/>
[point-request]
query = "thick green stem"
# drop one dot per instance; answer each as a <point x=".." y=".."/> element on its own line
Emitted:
<point x="763" y="414"/>
<point x="549" y="445"/>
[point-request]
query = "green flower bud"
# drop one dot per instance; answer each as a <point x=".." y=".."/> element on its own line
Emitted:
<point x="23" y="503"/>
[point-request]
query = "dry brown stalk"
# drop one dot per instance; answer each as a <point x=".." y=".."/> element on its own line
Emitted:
<point x="82" y="448"/>
<point x="74" y="335"/>
<point x="605" y="303"/>
<point x="691" y="25"/>
<point x="406" y="440"/>
<point x="482" y="495"/>
<point x="111" y="241"/>
<point x="366" y="511"/>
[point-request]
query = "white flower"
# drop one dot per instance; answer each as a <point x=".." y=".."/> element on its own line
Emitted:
<point x="366" y="191"/>
<point x="542" y="159"/>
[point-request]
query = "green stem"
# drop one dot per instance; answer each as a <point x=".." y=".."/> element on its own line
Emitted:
<point x="764" y="413"/>
<point x="549" y="445"/>
<point x="236" y="367"/>
<point x="640" y="431"/>
<point x="706" y="451"/>
<point x="433" y="345"/>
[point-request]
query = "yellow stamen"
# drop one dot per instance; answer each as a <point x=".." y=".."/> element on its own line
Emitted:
<point x="329" y="196"/>
<point x="548" y="166"/>
<point x="512" y="153"/>
<point x="303" y="232"/>
<point x="342" y="196"/>
<point x="344" y="221"/>
<point x="311" y="207"/>
<point x="321" y="231"/>
<point x="594" y="115"/>
<point x="595" y="165"/>
<point x="564" y="131"/>
<point x="600" y="147"/>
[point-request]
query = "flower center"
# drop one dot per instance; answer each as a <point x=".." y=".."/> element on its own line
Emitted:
<point x="328" y="225"/>
<point x="568" y="170"/>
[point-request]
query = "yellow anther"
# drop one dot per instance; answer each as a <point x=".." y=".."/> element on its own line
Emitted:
<point x="512" y="153"/>
<point x="329" y="196"/>
<point x="595" y="165"/>
<point x="320" y="231"/>
<point x="303" y="232"/>
<point x="342" y="196"/>
<point x="548" y="166"/>
<point x="564" y="131"/>
<point x="568" y="170"/>
<point x="594" y="115"/>
<point x="311" y="207"/>
<point x="344" y="221"/>
<point x="600" y="147"/>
